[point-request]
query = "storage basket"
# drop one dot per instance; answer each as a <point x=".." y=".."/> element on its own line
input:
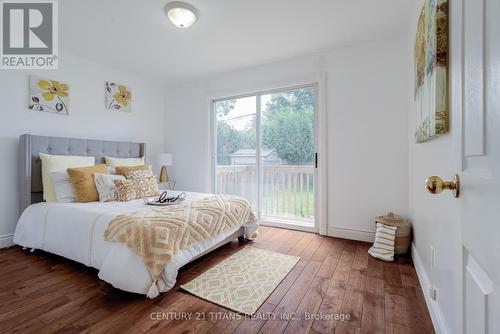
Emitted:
<point x="403" y="231"/>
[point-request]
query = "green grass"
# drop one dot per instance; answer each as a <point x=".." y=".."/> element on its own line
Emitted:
<point x="289" y="203"/>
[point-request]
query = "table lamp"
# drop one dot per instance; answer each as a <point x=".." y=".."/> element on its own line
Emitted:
<point x="164" y="160"/>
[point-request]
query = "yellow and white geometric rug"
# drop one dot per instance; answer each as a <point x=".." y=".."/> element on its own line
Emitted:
<point x="243" y="281"/>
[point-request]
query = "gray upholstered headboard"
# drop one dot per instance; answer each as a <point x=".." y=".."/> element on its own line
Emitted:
<point x="31" y="146"/>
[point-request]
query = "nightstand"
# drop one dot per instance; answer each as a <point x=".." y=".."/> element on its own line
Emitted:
<point x="169" y="185"/>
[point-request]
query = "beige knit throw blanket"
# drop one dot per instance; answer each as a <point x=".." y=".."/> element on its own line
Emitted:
<point x="157" y="235"/>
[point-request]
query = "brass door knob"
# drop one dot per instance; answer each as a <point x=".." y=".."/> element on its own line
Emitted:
<point x="436" y="185"/>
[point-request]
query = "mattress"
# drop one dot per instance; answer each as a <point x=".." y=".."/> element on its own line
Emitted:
<point x="76" y="231"/>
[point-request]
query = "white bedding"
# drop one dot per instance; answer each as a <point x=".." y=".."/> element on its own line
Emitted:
<point x="76" y="231"/>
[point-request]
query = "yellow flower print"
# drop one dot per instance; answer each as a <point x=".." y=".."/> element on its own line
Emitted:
<point x="123" y="96"/>
<point x="53" y="88"/>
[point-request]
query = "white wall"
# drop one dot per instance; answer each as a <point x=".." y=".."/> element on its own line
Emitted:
<point x="366" y="92"/>
<point x="435" y="218"/>
<point x="88" y="119"/>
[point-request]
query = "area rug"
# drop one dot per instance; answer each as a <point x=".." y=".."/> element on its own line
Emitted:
<point x="243" y="281"/>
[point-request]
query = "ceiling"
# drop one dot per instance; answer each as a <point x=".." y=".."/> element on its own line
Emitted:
<point x="230" y="34"/>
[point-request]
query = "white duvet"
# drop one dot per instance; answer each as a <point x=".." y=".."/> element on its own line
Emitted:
<point x="76" y="231"/>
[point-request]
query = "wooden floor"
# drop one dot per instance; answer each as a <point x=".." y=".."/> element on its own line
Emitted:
<point x="44" y="293"/>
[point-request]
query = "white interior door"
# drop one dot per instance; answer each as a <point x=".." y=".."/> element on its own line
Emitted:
<point x="479" y="151"/>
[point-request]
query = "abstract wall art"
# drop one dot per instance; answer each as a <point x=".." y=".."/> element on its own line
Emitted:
<point x="431" y="63"/>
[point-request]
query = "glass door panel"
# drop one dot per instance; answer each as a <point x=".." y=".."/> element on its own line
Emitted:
<point x="236" y="162"/>
<point x="288" y="154"/>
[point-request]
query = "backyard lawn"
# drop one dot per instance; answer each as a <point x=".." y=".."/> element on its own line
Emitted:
<point x="289" y="204"/>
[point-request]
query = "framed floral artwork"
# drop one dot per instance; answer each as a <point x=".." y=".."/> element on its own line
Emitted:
<point x="48" y="95"/>
<point x="118" y="97"/>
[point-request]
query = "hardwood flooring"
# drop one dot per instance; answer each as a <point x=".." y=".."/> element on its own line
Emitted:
<point x="335" y="288"/>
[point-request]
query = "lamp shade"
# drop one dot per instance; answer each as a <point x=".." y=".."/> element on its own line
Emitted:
<point x="165" y="159"/>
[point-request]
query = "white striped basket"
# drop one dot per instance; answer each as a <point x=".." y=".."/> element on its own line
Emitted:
<point x="403" y="231"/>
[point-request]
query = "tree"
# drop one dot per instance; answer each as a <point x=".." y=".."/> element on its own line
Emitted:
<point x="297" y="99"/>
<point x="287" y="125"/>
<point x="290" y="133"/>
<point x="229" y="140"/>
<point x="222" y="108"/>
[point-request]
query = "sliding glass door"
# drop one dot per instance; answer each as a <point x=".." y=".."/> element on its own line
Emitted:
<point x="265" y="151"/>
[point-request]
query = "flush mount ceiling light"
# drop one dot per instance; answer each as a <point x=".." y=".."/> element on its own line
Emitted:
<point x="181" y="14"/>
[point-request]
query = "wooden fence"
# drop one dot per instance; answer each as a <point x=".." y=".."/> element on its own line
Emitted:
<point x="288" y="190"/>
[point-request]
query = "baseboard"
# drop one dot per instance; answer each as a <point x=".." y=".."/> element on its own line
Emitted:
<point x="6" y="240"/>
<point x="297" y="227"/>
<point x="435" y="311"/>
<point x="347" y="233"/>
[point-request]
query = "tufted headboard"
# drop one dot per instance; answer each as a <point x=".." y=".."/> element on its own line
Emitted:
<point x="31" y="146"/>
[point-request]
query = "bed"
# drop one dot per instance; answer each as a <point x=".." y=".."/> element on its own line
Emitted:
<point x="76" y="230"/>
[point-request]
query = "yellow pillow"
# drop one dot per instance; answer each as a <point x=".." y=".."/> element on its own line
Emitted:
<point x="122" y="170"/>
<point x="59" y="163"/>
<point x="83" y="182"/>
<point x="113" y="162"/>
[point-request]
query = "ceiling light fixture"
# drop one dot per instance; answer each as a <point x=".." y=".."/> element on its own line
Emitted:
<point x="181" y="14"/>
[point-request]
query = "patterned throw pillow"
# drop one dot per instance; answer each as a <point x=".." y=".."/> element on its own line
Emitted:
<point x="122" y="170"/>
<point x="136" y="188"/>
<point x="106" y="187"/>
<point x="138" y="174"/>
<point x="125" y="190"/>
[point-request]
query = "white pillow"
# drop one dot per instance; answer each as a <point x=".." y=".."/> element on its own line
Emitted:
<point x="111" y="170"/>
<point x="113" y="162"/>
<point x="65" y="193"/>
<point x="106" y="187"/>
<point x="383" y="247"/>
<point x="59" y="163"/>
